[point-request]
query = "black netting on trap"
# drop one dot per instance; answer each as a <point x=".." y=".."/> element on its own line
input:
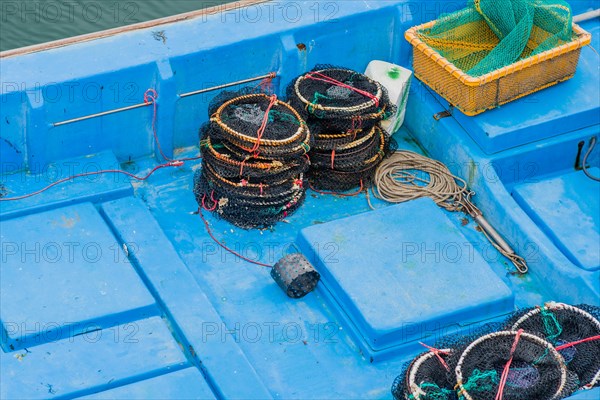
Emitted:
<point x="351" y="165"/>
<point x="426" y="378"/>
<point x="342" y="98"/>
<point x="343" y="109"/>
<point x="230" y="162"/>
<point x="535" y="371"/>
<point x="248" y="205"/>
<point x="255" y="156"/>
<point x="561" y="324"/>
<point x="243" y="122"/>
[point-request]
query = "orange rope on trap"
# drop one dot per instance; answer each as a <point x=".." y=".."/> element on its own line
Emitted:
<point x="359" y="191"/>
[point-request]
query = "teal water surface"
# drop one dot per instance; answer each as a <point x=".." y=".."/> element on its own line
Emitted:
<point x="29" y="22"/>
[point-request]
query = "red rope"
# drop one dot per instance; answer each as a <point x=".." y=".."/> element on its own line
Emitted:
<point x="340" y="194"/>
<point x="242" y="167"/>
<point x="106" y="171"/>
<point x="333" y="159"/>
<point x="356" y="125"/>
<point x="506" y="370"/>
<point x="209" y="231"/>
<point x="567" y="345"/>
<point x="317" y="76"/>
<point x="150" y="97"/>
<point x="266" y="85"/>
<point x="212" y="198"/>
<point x="437" y="353"/>
<point x="263" y="126"/>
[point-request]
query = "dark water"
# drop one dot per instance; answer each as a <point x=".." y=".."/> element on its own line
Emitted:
<point x="28" y="22"/>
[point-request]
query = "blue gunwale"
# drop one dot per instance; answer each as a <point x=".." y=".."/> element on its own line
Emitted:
<point x="208" y="305"/>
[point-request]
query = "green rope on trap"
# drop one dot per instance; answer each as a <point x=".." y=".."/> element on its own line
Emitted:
<point x="273" y="210"/>
<point x="434" y="392"/>
<point x="552" y="328"/>
<point x="476" y="382"/>
<point x="551" y="325"/>
<point x="387" y="114"/>
<point x="204" y="144"/>
<point x="283" y="117"/>
<point x="315" y="101"/>
<point x="541" y="358"/>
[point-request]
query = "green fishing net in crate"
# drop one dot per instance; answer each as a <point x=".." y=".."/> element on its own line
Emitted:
<point x="491" y="34"/>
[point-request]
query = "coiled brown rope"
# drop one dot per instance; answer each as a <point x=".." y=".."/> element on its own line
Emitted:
<point x="398" y="180"/>
<point x="407" y="175"/>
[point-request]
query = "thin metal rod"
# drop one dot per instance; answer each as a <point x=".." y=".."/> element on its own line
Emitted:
<point x="484" y="224"/>
<point x="258" y="78"/>
<point x="586" y="16"/>
<point x="117" y="110"/>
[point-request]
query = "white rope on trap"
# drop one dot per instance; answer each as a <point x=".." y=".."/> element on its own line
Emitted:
<point x="416" y="389"/>
<point x="524" y="336"/>
<point x="552" y="306"/>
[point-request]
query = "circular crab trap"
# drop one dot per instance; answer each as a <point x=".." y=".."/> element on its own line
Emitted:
<point x="341" y="98"/>
<point x="573" y="331"/>
<point x="511" y="365"/>
<point x="261" y="125"/>
<point x="343" y="109"/>
<point x="247" y="204"/>
<point x="426" y="378"/>
<point x="254" y="159"/>
<point x="229" y="164"/>
<point x="295" y="275"/>
<point x="350" y="165"/>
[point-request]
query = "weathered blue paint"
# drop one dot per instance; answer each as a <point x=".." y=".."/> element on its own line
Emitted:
<point x="209" y="325"/>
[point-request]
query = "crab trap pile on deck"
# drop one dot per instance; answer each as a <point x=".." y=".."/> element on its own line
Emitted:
<point x="343" y="109"/>
<point x="541" y="353"/>
<point x="254" y="160"/>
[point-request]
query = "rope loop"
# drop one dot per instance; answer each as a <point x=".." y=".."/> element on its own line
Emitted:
<point x="504" y="377"/>
<point x="318" y="76"/>
<point x="150" y="96"/>
<point x="263" y="126"/>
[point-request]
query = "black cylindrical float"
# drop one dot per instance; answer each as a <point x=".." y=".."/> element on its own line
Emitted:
<point x="295" y="275"/>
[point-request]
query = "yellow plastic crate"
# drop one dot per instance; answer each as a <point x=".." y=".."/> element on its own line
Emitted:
<point x="474" y="95"/>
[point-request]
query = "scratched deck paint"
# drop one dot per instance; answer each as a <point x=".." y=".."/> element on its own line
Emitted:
<point x="112" y="288"/>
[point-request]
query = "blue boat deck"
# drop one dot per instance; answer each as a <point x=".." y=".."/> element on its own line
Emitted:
<point x="112" y="288"/>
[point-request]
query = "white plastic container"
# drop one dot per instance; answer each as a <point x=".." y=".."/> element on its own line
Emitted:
<point x="396" y="80"/>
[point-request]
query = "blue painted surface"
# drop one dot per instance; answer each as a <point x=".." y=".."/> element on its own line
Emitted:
<point x="567" y="210"/>
<point x="192" y="315"/>
<point x="71" y="277"/>
<point x="17" y="182"/>
<point x="587" y="395"/>
<point x="212" y="315"/>
<point x="184" y="384"/>
<point x="88" y="363"/>
<point x="404" y="270"/>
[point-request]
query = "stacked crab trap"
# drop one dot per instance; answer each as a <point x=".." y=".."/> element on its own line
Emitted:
<point x="542" y="353"/>
<point x="254" y="152"/>
<point x="494" y="52"/>
<point x="343" y="110"/>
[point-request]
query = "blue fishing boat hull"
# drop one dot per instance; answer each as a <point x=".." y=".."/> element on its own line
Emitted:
<point x="112" y="288"/>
